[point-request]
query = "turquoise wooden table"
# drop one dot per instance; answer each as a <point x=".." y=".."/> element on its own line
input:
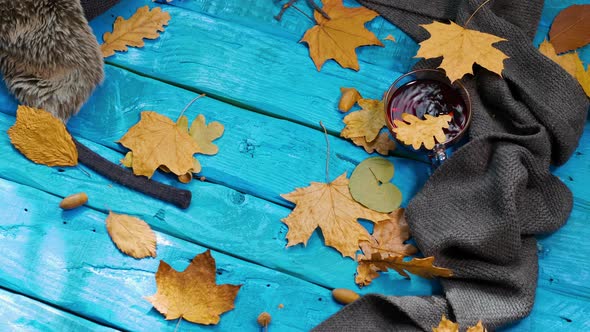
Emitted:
<point x="60" y="271"/>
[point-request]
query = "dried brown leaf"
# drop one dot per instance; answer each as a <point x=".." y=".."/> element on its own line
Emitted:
<point x="331" y="208"/>
<point x="42" y="138"/>
<point x="131" y="235"/>
<point x="382" y="144"/>
<point x="571" y="28"/>
<point x="193" y="294"/>
<point x="367" y="122"/>
<point x="143" y="24"/>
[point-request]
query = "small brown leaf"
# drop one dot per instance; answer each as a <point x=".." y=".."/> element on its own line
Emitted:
<point x="417" y="132"/>
<point x="367" y="122"/>
<point x="131" y="235"/>
<point x="42" y="138"/>
<point x="349" y="97"/>
<point x="423" y="267"/>
<point x="193" y="294"/>
<point x="390" y="236"/>
<point x="446" y="326"/>
<point x="143" y="24"/>
<point x="382" y="145"/>
<point x="571" y="28"/>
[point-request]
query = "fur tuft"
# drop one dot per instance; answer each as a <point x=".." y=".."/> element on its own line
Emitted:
<point x="49" y="57"/>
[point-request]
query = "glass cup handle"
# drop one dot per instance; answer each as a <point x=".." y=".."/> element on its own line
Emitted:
<point x="438" y="155"/>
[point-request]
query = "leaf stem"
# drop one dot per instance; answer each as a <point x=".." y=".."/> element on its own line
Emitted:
<point x="304" y="14"/>
<point x="178" y="324"/>
<point x="475" y="12"/>
<point x="327" y="153"/>
<point x="189" y="104"/>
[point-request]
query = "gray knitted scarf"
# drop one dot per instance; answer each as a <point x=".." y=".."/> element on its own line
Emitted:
<point x="480" y="210"/>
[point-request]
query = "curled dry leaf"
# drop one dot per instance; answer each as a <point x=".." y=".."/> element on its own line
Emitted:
<point x="383" y="144"/>
<point x="193" y="294"/>
<point x="446" y="325"/>
<point x="73" y="201"/>
<point x="370" y="186"/>
<point x="571" y="28"/>
<point x="42" y="138"/>
<point x="461" y="48"/>
<point x="367" y="122"/>
<point x="369" y="267"/>
<point x="331" y="208"/>
<point x="415" y="132"/>
<point x="143" y="24"/>
<point x="571" y="62"/>
<point x="349" y="97"/>
<point x="157" y="141"/>
<point x="131" y="235"/>
<point x="338" y="37"/>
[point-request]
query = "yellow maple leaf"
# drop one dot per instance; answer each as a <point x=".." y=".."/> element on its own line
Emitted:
<point x="570" y="62"/>
<point x="349" y="97"/>
<point x="382" y="144"/>
<point x="42" y="138"/>
<point x="461" y="48"/>
<point x="143" y="24"/>
<point x="204" y="134"/>
<point x="193" y="294"/>
<point x="367" y="122"/>
<point x="331" y="208"/>
<point x="417" y="132"/>
<point x="155" y="141"/>
<point x="131" y="235"/>
<point x="477" y="328"/>
<point x="446" y="325"/>
<point x="338" y="37"/>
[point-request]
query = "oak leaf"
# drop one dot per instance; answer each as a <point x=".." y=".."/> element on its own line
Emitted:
<point x="571" y="28"/>
<point x="461" y="48"/>
<point x="155" y="141"/>
<point x="42" y="138"/>
<point x="204" y="134"/>
<point x="367" y="122"/>
<point x="143" y="24"/>
<point x="193" y="294"/>
<point x="338" y="37"/>
<point x="383" y="144"/>
<point x="131" y="235"/>
<point x="331" y="208"/>
<point x="415" y="132"/>
<point x="570" y="62"/>
<point x="349" y="97"/>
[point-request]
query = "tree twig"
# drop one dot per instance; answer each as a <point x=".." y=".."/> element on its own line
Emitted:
<point x="327" y="153"/>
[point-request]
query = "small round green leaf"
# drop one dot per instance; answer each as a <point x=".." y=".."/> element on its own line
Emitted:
<point x="369" y="185"/>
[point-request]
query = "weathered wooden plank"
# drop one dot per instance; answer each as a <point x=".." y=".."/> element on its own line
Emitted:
<point x="259" y="155"/>
<point x="21" y="313"/>
<point x="259" y="15"/>
<point x="219" y="218"/>
<point x="67" y="259"/>
<point x="266" y="72"/>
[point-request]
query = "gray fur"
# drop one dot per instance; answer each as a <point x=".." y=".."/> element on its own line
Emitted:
<point x="49" y="57"/>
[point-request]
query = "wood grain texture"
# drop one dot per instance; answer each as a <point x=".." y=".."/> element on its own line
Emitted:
<point x="269" y="73"/>
<point x="219" y="218"/>
<point x="21" y="313"/>
<point x="68" y="260"/>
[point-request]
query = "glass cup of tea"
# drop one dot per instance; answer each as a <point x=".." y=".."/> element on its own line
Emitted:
<point x="429" y="91"/>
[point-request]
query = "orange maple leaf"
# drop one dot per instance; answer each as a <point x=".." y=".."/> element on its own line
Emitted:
<point x="331" y="208"/>
<point x="193" y="294"/>
<point x="338" y="37"/>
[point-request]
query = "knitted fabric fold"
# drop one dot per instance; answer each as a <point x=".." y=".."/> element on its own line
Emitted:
<point x="480" y="210"/>
<point x="93" y="8"/>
